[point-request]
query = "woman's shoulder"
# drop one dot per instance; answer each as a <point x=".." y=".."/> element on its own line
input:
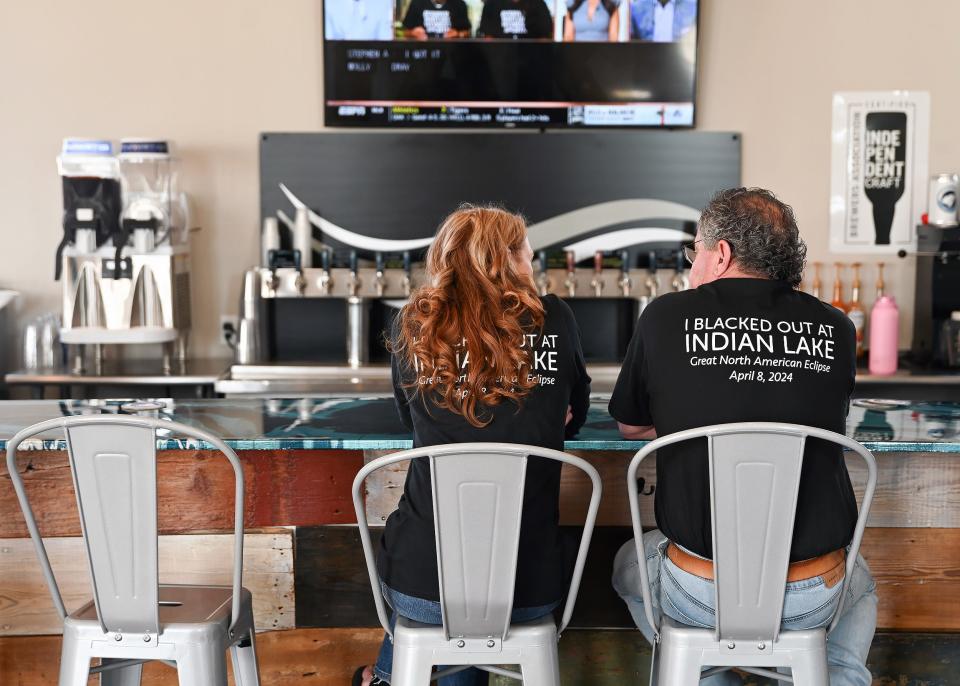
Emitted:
<point x="556" y="309"/>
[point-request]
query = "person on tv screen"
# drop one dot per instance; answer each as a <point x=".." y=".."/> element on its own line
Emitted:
<point x="358" y="20"/>
<point x="515" y="19"/>
<point x="662" y="21"/>
<point x="430" y="19"/>
<point x="592" y="20"/>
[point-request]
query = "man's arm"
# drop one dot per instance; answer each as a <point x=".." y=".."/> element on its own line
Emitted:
<point x="637" y="433"/>
<point x="630" y="402"/>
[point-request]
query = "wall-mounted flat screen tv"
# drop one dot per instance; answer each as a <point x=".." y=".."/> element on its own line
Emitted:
<point x="506" y="63"/>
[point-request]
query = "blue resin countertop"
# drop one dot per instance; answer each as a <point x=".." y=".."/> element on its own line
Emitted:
<point x="372" y="424"/>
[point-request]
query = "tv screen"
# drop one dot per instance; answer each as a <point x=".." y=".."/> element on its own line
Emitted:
<point x="506" y="63"/>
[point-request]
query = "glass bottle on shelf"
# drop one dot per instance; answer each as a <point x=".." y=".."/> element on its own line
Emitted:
<point x="817" y="283"/>
<point x="880" y="284"/>
<point x="837" y="300"/>
<point x="855" y="309"/>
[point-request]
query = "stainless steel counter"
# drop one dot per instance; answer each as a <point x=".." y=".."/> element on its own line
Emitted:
<point x="125" y="378"/>
<point x="283" y="380"/>
<point x="129" y="372"/>
<point x="292" y="380"/>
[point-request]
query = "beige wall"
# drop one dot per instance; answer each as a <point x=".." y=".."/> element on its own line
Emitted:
<point x="211" y="75"/>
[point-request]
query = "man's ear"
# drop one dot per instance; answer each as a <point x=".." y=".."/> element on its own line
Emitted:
<point x="725" y="257"/>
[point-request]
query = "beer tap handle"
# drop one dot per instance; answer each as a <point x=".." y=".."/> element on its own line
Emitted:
<point x="571" y="282"/>
<point x="407" y="273"/>
<point x="680" y="281"/>
<point x="597" y="273"/>
<point x="326" y="280"/>
<point x="653" y="281"/>
<point x="300" y="282"/>
<point x="543" y="281"/>
<point x="625" y="282"/>
<point x="354" y="284"/>
<point x="380" y="280"/>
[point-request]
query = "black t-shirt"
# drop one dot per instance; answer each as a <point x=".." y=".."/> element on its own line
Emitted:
<point x="739" y="350"/>
<point x="436" y="18"/>
<point x="408" y="559"/>
<point x="515" y="19"/>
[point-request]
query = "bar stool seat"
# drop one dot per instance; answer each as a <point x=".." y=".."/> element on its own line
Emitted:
<point x="531" y="645"/>
<point x="182" y="604"/>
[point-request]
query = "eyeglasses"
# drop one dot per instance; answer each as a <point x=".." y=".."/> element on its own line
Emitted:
<point x="690" y="250"/>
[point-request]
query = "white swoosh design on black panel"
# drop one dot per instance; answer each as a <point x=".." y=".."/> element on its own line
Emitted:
<point x="615" y="240"/>
<point x="557" y="229"/>
<point x="356" y="240"/>
<point x="569" y="225"/>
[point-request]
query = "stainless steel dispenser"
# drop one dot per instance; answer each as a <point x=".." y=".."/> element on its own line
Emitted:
<point x="125" y="269"/>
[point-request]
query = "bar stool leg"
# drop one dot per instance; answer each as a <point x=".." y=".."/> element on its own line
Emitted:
<point x="246" y="671"/>
<point x="677" y="667"/>
<point x="123" y="676"/>
<point x="541" y="666"/>
<point x="202" y="664"/>
<point x="810" y="668"/>
<point x="411" y="667"/>
<point x="74" y="662"/>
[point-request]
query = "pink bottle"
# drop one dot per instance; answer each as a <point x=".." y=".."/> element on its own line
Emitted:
<point x="884" y="335"/>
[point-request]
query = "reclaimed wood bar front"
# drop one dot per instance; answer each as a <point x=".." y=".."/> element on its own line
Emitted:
<point x="304" y="566"/>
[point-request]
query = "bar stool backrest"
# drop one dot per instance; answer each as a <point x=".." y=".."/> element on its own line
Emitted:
<point x="115" y="477"/>
<point x="478" y="501"/>
<point x="754" y="480"/>
<point x="114" y="467"/>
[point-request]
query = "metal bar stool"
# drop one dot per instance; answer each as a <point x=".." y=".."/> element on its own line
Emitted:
<point x="477" y="504"/>
<point x="133" y="618"/>
<point x="754" y="481"/>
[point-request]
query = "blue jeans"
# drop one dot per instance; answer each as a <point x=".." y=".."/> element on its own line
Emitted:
<point x="428" y="612"/>
<point x="808" y="604"/>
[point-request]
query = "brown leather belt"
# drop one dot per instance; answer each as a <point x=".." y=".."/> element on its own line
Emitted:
<point x="830" y="566"/>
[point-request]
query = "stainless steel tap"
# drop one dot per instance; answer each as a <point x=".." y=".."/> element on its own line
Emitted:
<point x="379" y="281"/>
<point x="543" y="281"/>
<point x="407" y="282"/>
<point x="680" y="280"/>
<point x="652" y="282"/>
<point x="624" y="283"/>
<point x="571" y="281"/>
<point x="272" y="281"/>
<point x="597" y="283"/>
<point x="353" y="281"/>
<point x="300" y="281"/>
<point x="325" y="282"/>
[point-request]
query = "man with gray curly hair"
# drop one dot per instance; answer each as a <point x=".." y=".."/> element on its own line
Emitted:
<point x="743" y="344"/>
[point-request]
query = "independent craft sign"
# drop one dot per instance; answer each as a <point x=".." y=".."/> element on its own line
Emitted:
<point x="879" y="170"/>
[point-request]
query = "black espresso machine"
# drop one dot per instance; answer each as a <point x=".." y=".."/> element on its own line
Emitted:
<point x="936" y="329"/>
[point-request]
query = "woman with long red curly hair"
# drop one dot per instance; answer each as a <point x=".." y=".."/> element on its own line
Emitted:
<point x="478" y="355"/>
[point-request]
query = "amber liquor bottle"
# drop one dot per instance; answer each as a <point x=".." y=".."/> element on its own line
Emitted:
<point x="855" y="309"/>
<point x="838" y="289"/>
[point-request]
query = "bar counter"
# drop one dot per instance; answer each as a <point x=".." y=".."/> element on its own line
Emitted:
<point x="303" y="562"/>
<point x="371" y="423"/>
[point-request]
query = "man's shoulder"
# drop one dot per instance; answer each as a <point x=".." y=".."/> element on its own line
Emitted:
<point x="670" y="304"/>
<point x="829" y="313"/>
